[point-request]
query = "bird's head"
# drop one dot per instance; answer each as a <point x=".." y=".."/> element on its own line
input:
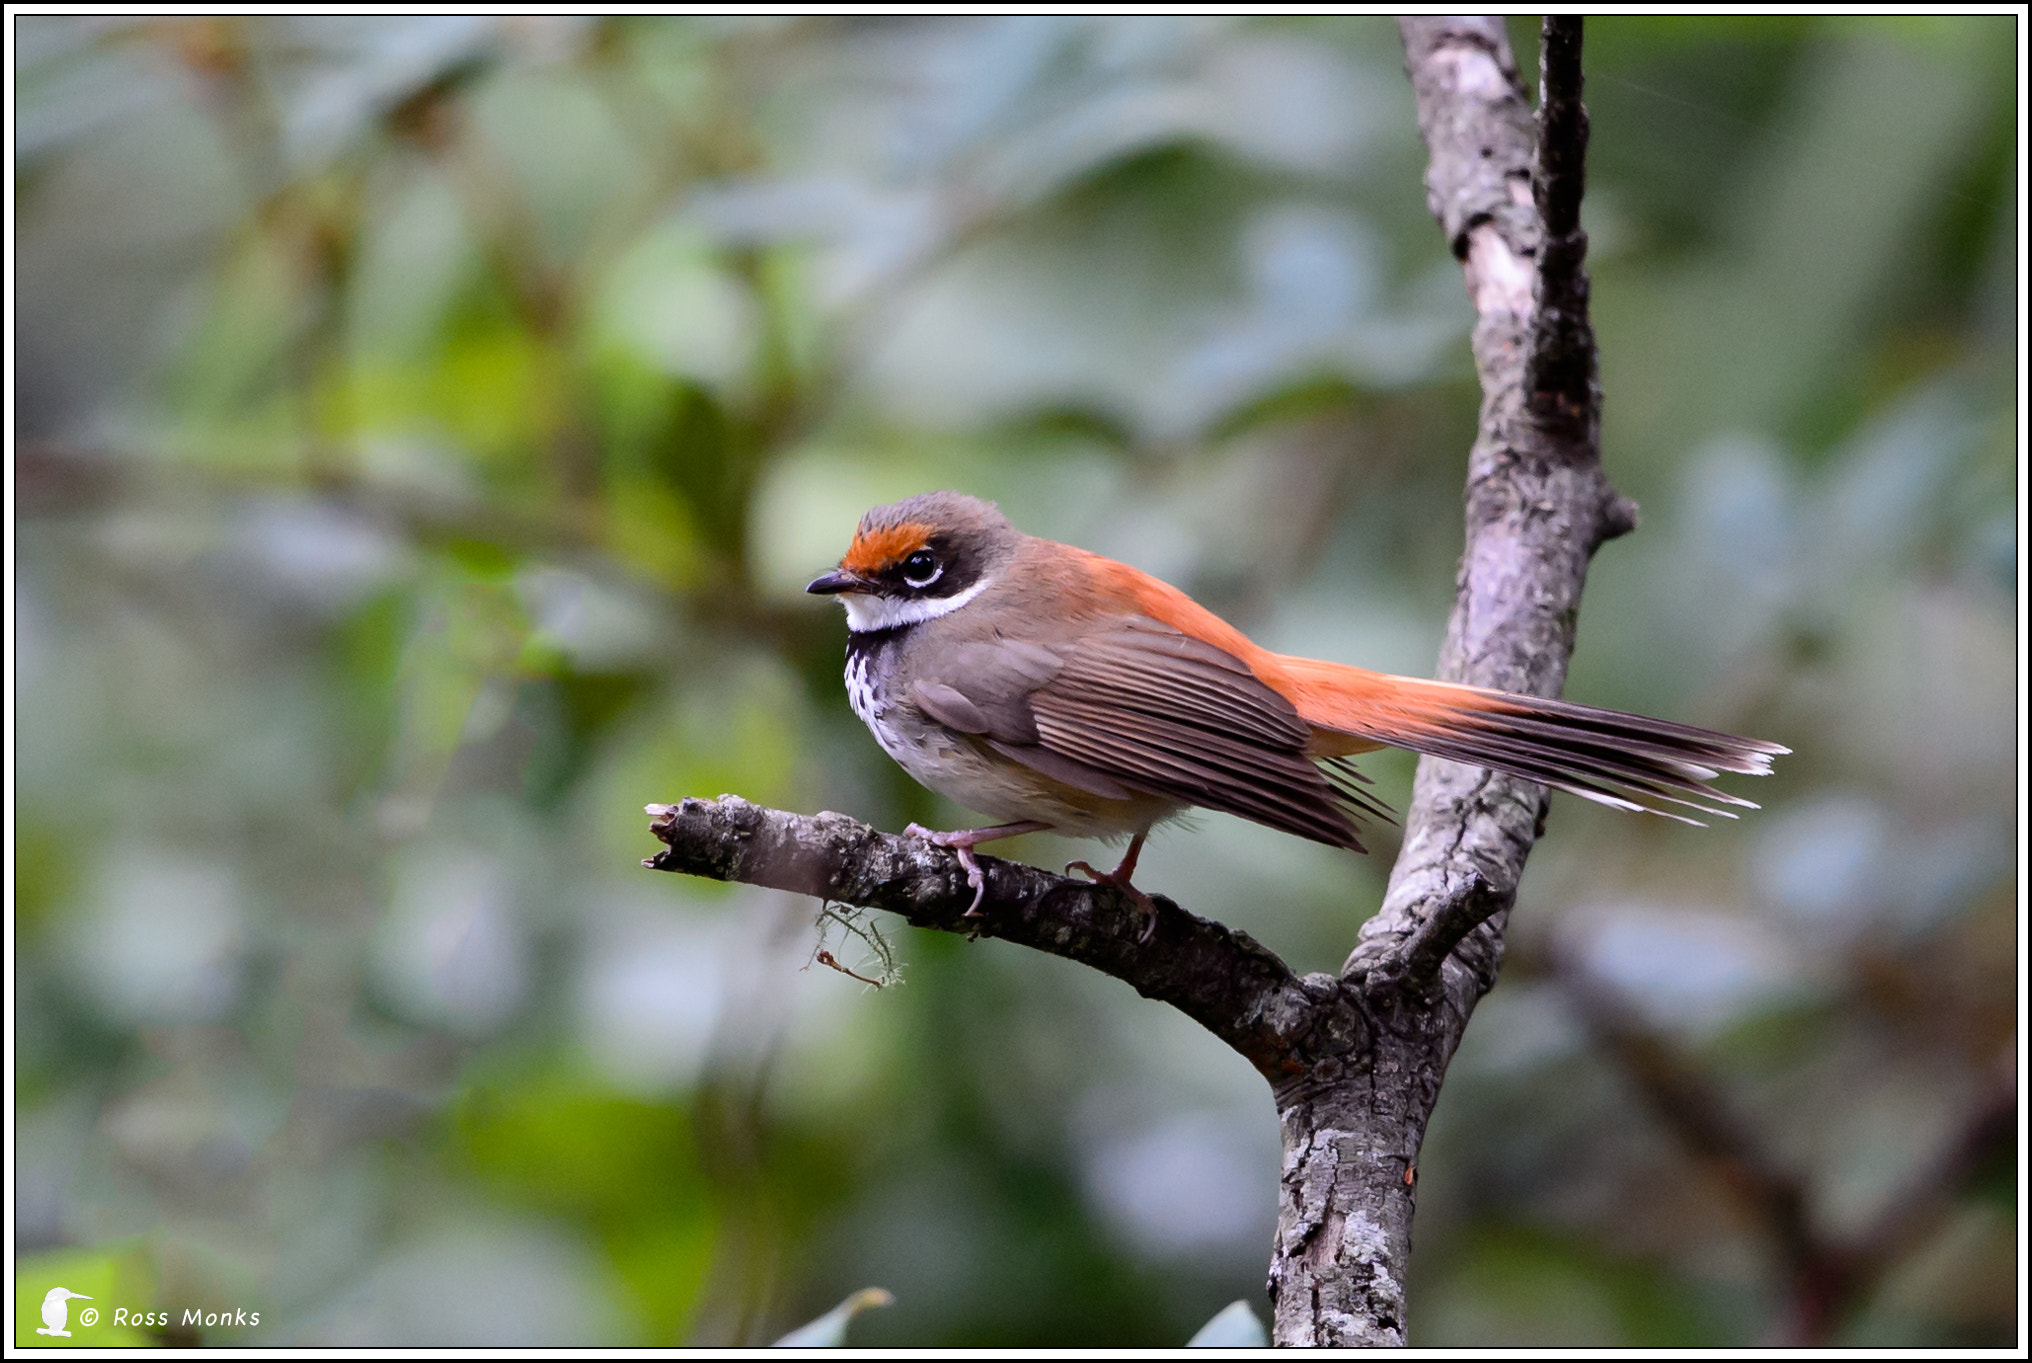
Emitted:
<point x="918" y="559"/>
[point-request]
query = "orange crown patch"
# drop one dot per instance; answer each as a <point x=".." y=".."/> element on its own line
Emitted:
<point x="873" y="550"/>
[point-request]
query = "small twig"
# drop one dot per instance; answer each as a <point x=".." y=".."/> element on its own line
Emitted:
<point x="870" y="936"/>
<point x="1448" y="921"/>
<point x="826" y="958"/>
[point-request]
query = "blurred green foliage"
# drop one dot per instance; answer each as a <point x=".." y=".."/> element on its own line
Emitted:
<point x="424" y="428"/>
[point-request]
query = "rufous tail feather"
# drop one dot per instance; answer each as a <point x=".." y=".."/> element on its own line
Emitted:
<point x="1616" y="759"/>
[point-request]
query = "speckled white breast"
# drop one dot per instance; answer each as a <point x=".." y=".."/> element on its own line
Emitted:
<point x="874" y="711"/>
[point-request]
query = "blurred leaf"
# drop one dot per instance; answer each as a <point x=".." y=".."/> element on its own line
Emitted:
<point x="629" y="1168"/>
<point x="739" y="725"/>
<point x="652" y="530"/>
<point x="590" y="704"/>
<point x="334" y="77"/>
<point x="1051" y="423"/>
<point x="829" y="1331"/>
<point x="671" y="306"/>
<point x="1234" y="1327"/>
<point x="698" y="451"/>
<point x="1304" y="396"/>
<point x="495" y="394"/>
<point x="1524" y="1288"/>
<point x="560" y="1142"/>
<point x="45" y="870"/>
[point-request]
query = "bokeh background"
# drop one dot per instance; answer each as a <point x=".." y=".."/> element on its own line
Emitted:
<point x="424" y="428"/>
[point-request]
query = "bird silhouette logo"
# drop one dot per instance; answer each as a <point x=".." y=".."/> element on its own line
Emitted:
<point x="56" y="1311"/>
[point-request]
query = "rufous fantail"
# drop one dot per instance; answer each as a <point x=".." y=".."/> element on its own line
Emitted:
<point x="1052" y="688"/>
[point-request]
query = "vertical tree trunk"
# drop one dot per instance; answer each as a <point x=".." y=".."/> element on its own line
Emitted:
<point x="1538" y="505"/>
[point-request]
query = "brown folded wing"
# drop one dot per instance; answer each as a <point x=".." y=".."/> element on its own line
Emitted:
<point x="1133" y="705"/>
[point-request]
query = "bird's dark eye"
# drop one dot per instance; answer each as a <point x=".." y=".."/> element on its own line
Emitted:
<point x="921" y="569"/>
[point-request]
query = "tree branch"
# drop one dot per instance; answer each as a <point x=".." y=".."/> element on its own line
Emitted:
<point x="1537" y="507"/>
<point x="1538" y="504"/>
<point x="1223" y="979"/>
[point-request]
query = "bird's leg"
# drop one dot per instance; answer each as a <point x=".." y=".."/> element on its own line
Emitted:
<point x="963" y="841"/>
<point x="1119" y="878"/>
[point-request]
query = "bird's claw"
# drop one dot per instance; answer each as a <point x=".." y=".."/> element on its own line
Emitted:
<point x="975" y="879"/>
<point x="1145" y="905"/>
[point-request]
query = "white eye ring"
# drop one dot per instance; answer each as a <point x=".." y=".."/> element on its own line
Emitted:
<point x="937" y="571"/>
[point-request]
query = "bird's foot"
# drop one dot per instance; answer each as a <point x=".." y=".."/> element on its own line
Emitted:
<point x="963" y="841"/>
<point x="964" y="850"/>
<point x="1119" y="879"/>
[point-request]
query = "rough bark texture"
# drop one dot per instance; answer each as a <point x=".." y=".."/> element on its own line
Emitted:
<point x="1354" y="1062"/>
<point x="1222" y="979"/>
<point x="1538" y="505"/>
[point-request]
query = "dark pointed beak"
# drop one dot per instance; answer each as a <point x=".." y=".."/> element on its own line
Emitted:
<point x="833" y="583"/>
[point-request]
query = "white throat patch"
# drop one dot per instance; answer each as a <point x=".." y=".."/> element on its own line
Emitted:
<point x="866" y="613"/>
